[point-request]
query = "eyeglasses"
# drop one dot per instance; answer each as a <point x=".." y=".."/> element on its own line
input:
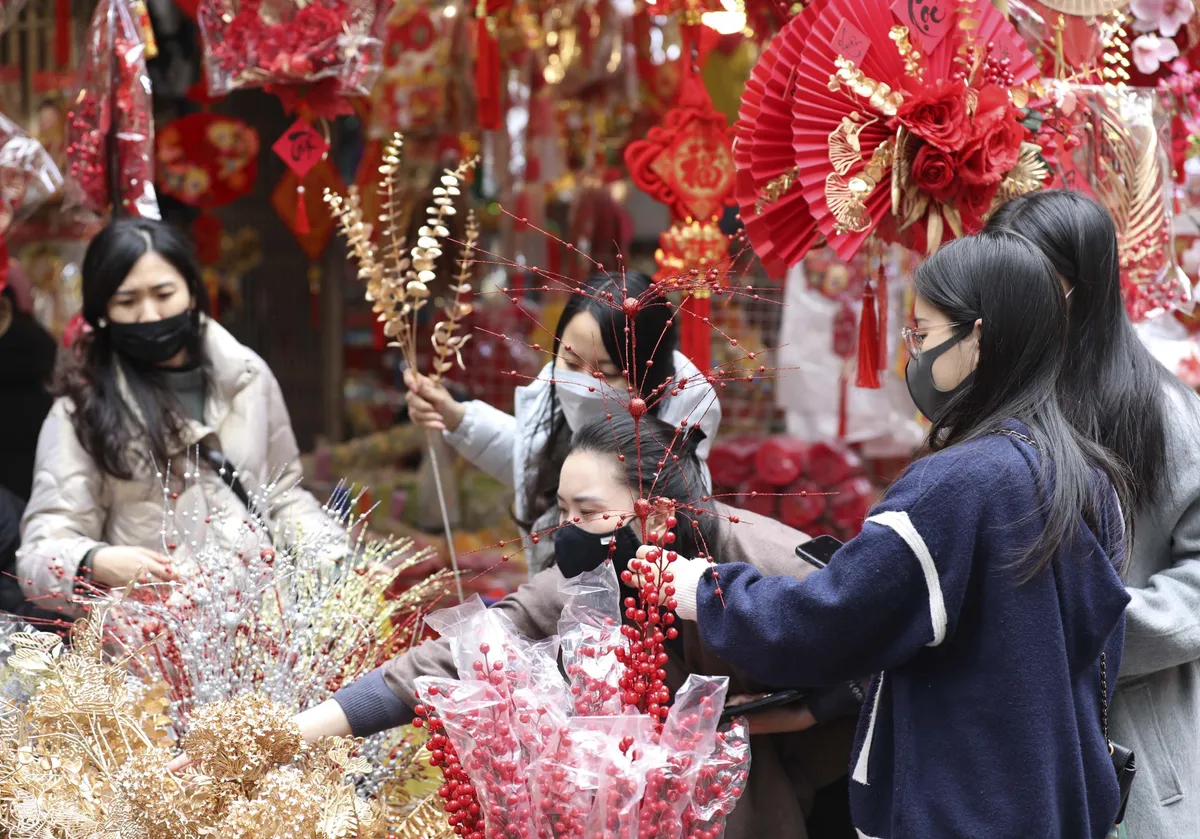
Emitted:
<point x="914" y="337"/>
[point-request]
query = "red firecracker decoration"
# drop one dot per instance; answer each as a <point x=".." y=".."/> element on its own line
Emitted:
<point x="687" y="164"/>
<point x="487" y="69"/>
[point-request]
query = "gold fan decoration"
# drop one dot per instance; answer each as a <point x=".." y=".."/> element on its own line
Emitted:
<point x="85" y="754"/>
<point x="398" y="278"/>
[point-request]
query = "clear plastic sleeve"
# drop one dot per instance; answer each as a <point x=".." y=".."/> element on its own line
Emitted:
<point x="719" y="783"/>
<point x="1124" y="162"/>
<point x="28" y="176"/>
<point x="539" y="761"/>
<point x="112" y="105"/>
<point x="256" y="43"/>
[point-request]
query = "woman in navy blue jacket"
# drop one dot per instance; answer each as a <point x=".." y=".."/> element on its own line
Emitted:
<point x="983" y="589"/>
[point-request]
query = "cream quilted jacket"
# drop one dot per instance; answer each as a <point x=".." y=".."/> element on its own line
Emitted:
<point x="75" y="507"/>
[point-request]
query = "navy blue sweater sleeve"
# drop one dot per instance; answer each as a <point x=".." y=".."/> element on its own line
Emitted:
<point x="371" y="707"/>
<point x="895" y="588"/>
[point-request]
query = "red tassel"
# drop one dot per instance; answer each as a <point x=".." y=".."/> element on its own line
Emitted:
<point x="62" y="33"/>
<point x="695" y="331"/>
<point x="868" y="342"/>
<point x="884" y="345"/>
<point x="487" y="72"/>
<point x="302" y="225"/>
<point x="843" y="404"/>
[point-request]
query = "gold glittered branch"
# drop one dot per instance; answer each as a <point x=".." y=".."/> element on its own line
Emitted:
<point x="447" y="344"/>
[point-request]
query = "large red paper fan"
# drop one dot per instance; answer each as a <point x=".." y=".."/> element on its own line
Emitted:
<point x="818" y="111"/>
<point x="781" y="231"/>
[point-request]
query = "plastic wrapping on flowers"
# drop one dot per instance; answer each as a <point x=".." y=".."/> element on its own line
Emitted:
<point x="525" y="753"/>
<point x="28" y="176"/>
<point x="112" y="103"/>
<point x="1124" y="162"/>
<point x="256" y="43"/>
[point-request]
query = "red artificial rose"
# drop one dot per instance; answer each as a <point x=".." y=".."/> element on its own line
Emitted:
<point x="938" y="115"/>
<point x="973" y="205"/>
<point x="933" y="172"/>
<point x="996" y="137"/>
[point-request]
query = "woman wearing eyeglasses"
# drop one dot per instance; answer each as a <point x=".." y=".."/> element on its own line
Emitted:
<point x="984" y="588"/>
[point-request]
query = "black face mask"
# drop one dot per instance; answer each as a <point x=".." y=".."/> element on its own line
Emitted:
<point x="577" y="551"/>
<point x="918" y="375"/>
<point x="155" y="342"/>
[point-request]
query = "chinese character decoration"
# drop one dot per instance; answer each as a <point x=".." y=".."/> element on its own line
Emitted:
<point x="687" y="164"/>
<point x="28" y="179"/>
<point x="110" y="126"/>
<point x="303" y="150"/>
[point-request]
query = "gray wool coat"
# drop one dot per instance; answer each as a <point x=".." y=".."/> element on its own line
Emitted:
<point x="1156" y="711"/>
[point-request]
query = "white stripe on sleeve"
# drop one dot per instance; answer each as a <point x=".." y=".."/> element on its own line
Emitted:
<point x="864" y="756"/>
<point x="902" y="524"/>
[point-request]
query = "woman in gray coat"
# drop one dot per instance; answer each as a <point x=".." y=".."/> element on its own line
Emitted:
<point x="1123" y="398"/>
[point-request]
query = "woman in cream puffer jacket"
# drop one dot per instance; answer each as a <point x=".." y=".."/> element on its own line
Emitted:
<point x="88" y="521"/>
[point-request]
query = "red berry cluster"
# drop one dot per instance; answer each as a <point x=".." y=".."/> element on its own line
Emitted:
<point x="720" y="783"/>
<point x="102" y="100"/>
<point x="457" y="793"/>
<point x="649" y="623"/>
<point x="997" y="71"/>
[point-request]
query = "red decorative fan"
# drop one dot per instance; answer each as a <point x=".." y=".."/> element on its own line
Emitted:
<point x="872" y="35"/>
<point x="778" y="223"/>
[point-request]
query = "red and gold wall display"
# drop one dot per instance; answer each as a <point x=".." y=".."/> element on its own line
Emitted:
<point x="207" y="160"/>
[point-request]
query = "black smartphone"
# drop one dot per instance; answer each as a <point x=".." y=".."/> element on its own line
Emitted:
<point x="819" y="551"/>
<point x="771" y="700"/>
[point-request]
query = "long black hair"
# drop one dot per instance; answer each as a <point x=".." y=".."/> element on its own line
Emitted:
<point x="1005" y="281"/>
<point x="658" y="461"/>
<point x="642" y="346"/>
<point x="107" y="426"/>
<point x="1113" y="390"/>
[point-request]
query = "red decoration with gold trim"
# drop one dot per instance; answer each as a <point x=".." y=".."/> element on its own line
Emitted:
<point x="207" y="160"/>
<point x="687" y="164"/>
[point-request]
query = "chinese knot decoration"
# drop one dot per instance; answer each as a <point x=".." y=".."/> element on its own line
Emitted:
<point x="687" y="164"/>
<point x="903" y="122"/>
<point x="256" y="43"/>
<point x="110" y="126"/>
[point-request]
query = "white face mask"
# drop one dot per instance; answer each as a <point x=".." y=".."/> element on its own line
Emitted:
<point x="584" y="398"/>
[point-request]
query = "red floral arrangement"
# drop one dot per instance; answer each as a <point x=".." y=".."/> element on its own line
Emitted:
<point x="111" y="119"/>
<point x="256" y="43"/>
<point x="524" y="753"/>
<point x="963" y="142"/>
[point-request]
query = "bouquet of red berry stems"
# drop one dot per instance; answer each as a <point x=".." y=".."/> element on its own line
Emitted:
<point x="257" y="43"/>
<point x="526" y="753"/>
<point x="111" y="120"/>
